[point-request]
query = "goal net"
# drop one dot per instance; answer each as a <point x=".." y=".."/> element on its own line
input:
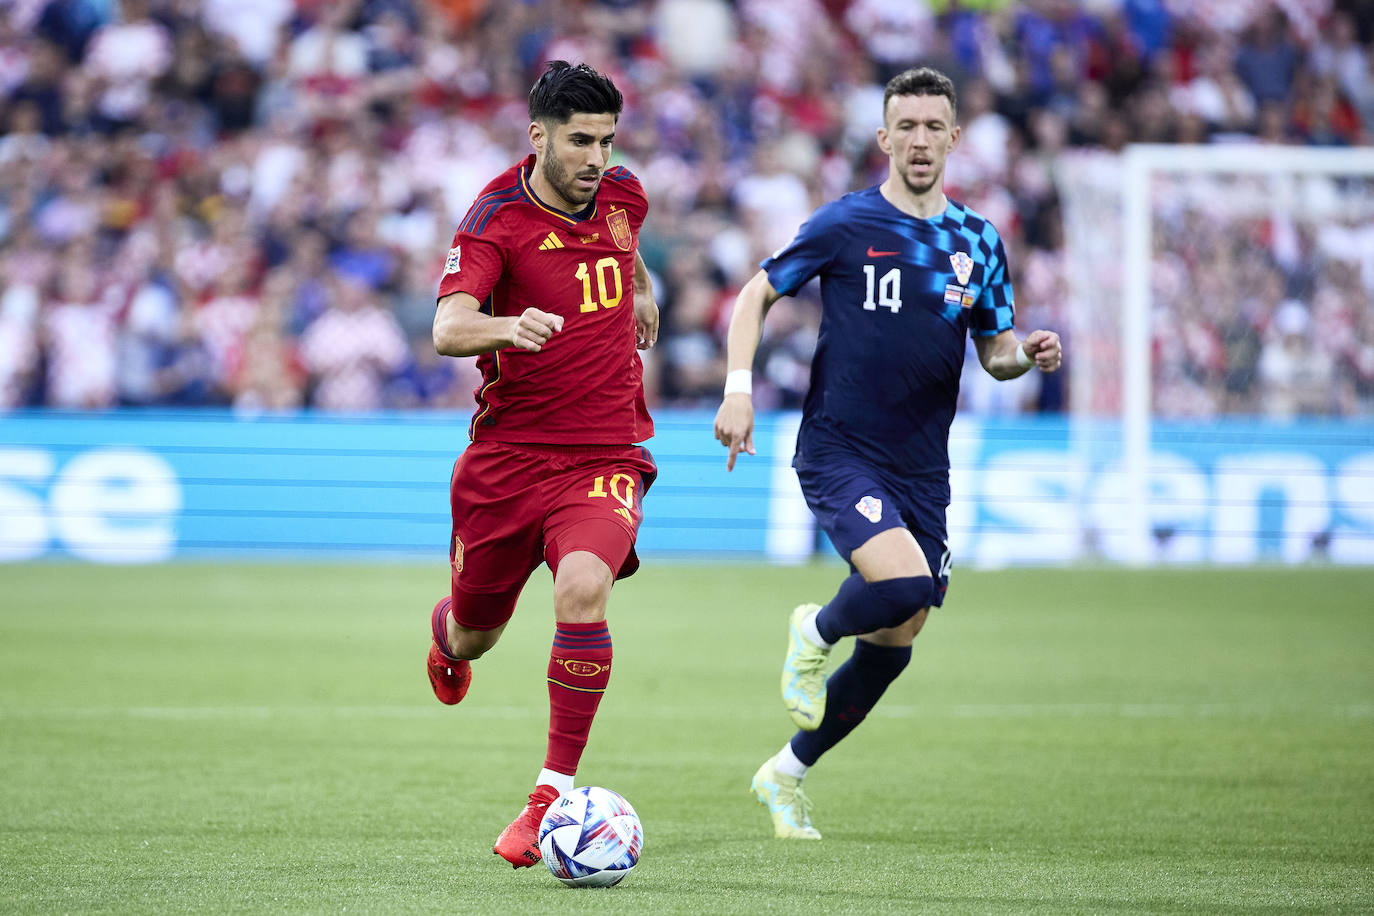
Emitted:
<point x="1222" y="318"/>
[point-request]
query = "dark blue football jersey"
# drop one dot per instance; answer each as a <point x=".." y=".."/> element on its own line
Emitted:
<point x="899" y="294"/>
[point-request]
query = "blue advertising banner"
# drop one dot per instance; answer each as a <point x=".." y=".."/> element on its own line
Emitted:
<point x="134" y="487"/>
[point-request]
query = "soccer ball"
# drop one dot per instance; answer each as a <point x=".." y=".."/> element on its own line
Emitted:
<point x="590" y="837"/>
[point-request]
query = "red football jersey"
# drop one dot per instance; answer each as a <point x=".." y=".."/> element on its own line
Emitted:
<point x="511" y="252"/>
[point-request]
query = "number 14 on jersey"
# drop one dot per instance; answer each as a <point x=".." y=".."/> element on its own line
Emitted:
<point x="888" y="288"/>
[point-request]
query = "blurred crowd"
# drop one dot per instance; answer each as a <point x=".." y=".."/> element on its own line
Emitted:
<point x="1258" y="314"/>
<point x="248" y="202"/>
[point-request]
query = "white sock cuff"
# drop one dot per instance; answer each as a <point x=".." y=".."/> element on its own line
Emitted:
<point x="808" y="628"/>
<point x="789" y="764"/>
<point x="560" y="781"/>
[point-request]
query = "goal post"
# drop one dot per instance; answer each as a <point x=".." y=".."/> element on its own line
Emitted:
<point x="1113" y="207"/>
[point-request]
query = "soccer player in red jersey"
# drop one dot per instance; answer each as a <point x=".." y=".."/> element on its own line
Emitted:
<point x="545" y="286"/>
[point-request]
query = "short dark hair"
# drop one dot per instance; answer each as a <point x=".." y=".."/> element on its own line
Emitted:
<point x="564" y="88"/>
<point x="920" y="81"/>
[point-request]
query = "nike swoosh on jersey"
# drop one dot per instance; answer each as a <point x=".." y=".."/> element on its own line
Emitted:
<point x="880" y="254"/>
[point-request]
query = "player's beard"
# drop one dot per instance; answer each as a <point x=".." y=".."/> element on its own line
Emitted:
<point x="561" y="180"/>
<point x="922" y="188"/>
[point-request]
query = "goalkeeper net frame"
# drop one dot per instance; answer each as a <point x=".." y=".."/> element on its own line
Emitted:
<point x="1111" y="205"/>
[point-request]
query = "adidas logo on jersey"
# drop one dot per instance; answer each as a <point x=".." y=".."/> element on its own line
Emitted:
<point x="550" y="242"/>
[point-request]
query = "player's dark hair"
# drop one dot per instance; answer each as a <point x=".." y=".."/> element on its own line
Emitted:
<point x="565" y="88"/>
<point x="920" y="81"/>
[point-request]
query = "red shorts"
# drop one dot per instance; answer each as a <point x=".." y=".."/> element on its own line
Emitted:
<point x="516" y="506"/>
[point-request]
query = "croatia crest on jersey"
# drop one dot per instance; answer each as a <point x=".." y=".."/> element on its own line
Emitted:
<point x="871" y="508"/>
<point x="618" y="221"/>
<point x="963" y="266"/>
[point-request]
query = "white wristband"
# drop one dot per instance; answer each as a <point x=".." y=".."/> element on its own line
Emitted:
<point x="1022" y="360"/>
<point x="739" y="381"/>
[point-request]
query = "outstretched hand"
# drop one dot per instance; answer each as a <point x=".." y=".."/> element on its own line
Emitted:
<point x="735" y="426"/>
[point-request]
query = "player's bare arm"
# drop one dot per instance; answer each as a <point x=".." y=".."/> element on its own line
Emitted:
<point x="735" y="418"/>
<point x="462" y="329"/>
<point x="646" y="309"/>
<point x="999" y="354"/>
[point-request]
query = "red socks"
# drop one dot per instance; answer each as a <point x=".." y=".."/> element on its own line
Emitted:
<point x="579" y="668"/>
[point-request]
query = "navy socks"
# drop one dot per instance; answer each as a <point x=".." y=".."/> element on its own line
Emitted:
<point x="851" y="692"/>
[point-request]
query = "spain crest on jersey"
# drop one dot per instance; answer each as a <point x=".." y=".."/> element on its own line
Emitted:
<point x="618" y="221"/>
<point x="963" y="266"/>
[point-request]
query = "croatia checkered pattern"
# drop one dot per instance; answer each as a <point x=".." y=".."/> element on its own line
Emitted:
<point x="900" y="296"/>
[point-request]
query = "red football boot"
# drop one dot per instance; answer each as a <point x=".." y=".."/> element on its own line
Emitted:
<point x="450" y="677"/>
<point x="518" y="844"/>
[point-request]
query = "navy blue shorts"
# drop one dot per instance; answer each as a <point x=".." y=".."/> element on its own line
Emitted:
<point x="853" y="502"/>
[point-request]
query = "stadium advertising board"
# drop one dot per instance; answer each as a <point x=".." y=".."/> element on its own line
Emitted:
<point x="147" y="487"/>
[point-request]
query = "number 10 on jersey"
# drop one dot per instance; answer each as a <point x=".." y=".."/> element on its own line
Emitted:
<point x="604" y="267"/>
<point x="889" y="289"/>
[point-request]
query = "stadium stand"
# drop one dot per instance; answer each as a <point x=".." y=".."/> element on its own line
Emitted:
<point x="247" y="202"/>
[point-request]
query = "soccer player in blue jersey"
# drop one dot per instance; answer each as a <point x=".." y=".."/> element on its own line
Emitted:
<point x="905" y="273"/>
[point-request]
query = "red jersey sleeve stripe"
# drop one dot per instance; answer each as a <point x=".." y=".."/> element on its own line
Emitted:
<point x="485" y="207"/>
<point x="477" y="207"/>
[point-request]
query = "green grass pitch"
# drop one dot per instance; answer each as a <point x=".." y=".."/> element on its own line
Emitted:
<point x="263" y="739"/>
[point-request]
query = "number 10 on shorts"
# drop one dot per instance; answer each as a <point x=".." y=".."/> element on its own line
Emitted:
<point x="621" y="489"/>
